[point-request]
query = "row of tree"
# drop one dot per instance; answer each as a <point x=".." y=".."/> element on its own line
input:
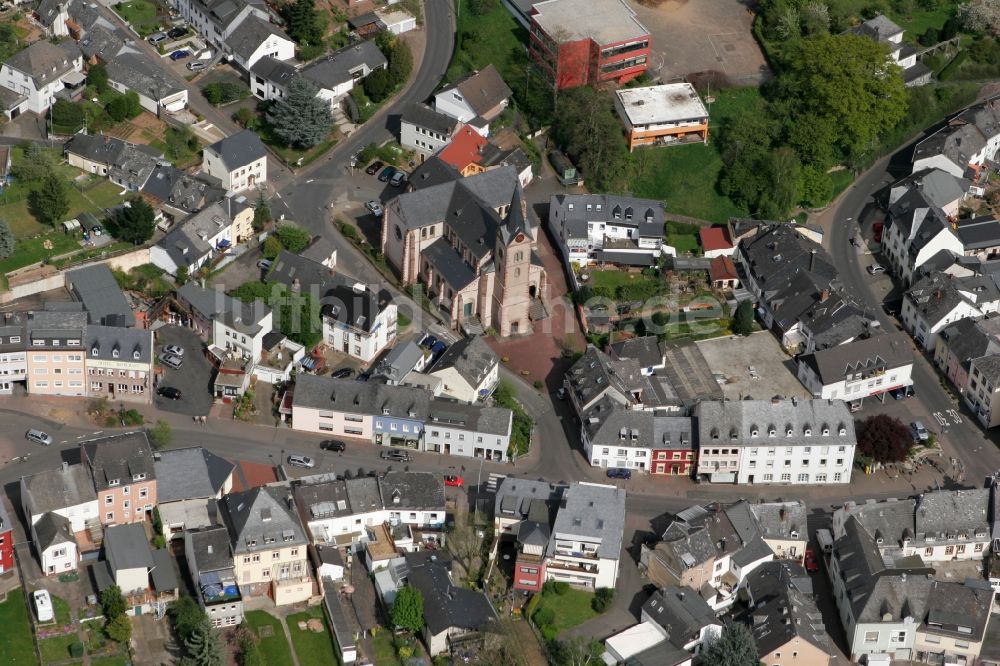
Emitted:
<point x="381" y="83"/>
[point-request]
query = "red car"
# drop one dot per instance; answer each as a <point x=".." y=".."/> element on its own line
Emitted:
<point x="811" y="563"/>
<point x="453" y="481"/>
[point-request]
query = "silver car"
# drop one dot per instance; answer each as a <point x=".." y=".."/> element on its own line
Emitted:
<point x="38" y="436"/>
<point x="157" y="37"/>
<point x="197" y="66"/>
<point x="173" y="349"/>
<point x="171" y="361"/>
<point x="395" y="455"/>
<point x="301" y="461"/>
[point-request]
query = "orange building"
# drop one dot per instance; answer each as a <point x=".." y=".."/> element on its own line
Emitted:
<point x="662" y="115"/>
<point x="124" y="477"/>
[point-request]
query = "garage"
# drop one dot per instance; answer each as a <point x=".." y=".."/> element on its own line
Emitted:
<point x="396" y="21"/>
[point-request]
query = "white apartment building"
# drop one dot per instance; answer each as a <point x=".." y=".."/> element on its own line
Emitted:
<point x="357" y="320"/>
<point x="982" y="394"/>
<point x="600" y="228"/>
<point x="468" y="430"/>
<point x="868" y="367"/>
<point x="37" y="73"/>
<point x="586" y="539"/>
<point x="239" y="161"/>
<point x="777" y="441"/>
<point x="425" y="130"/>
<point x="941" y="299"/>
<point x="13" y="357"/>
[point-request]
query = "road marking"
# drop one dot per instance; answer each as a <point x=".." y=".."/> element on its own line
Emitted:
<point x="942" y="421"/>
<point x="954" y="415"/>
<point x="310" y="180"/>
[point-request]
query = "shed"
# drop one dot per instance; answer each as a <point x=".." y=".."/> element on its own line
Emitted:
<point x="71" y="226"/>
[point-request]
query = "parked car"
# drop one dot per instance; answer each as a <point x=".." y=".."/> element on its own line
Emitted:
<point x="374" y="207"/>
<point x="876" y="269"/>
<point x="395" y="455"/>
<point x="398" y="179"/>
<point x="43" y="605"/>
<point x="343" y="373"/>
<point x="809" y="561"/>
<point x="428" y="342"/>
<point x="176" y="33"/>
<point x="301" y="461"/>
<point x="173" y="349"/>
<point x="386" y="174"/>
<point x="877" y="230"/>
<point x="902" y="392"/>
<point x="38" y="436"/>
<point x="180" y="55"/>
<point x="920" y="433"/>
<point x="436" y="350"/>
<point x="332" y="445"/>
<point x="171" y="361"/>
<point x="374" y="167"/>
<point x="157" y="37"/>
<point x="169" y="392"/>
<point x="197" y="66"/>
<point x="264" y="264"/>
<point x="453" y="481"/>
<point x="619" y="473"/>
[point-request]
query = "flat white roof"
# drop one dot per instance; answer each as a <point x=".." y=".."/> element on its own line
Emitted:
<point x="604" y="21"/>
<point x="659" y="104"/>
<point x="393" y="16"/>
<point x="634" y="640"/>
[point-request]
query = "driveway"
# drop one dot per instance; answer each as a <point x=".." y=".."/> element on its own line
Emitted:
<point x="193" y="379"/>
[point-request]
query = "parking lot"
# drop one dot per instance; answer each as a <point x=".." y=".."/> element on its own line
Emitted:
<point x="733" y="360"/>
<point x="193" y="379"/>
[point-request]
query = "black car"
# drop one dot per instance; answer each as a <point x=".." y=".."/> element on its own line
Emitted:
<point x="332" y="445"/>
<point x="176" y="33"/>
<point x="386" y="174"/>
<point x="343" y="373"/>
<point x="169" y="392"/>
<point x="374" y="167"/>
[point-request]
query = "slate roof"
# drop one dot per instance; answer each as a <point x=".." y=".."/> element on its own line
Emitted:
<point x="44" y="61"/>
<point x="432" y="172"/>
<point x="56" y="489"/>
<point x="470" y="357"/>
<point x="937" y="295"/>
<point x="880" y="352"/>
<point x="134" y="345"/>
<point x="681" y="612"/>
<point x="965" y="134"/>
<point x="720" y="421"/>
<point x="181" y="190"/>
<point x="261" y="519"/>
<point x="592" y="511"/>
<point x="787" y="618"/>
<point x="136" y="71"/>
<point x="778" y="255"/>
<point x="979" y="233"/>
<point x="778" y="520"/>
<point x="101" y="296"/>
<point x="946" y="513"/>
<point x="276" y="71"/>
<point x="989" y="367"/>
<point x="126" y="547"/>
<point x="103" y="42"/>
<point x="211" y="548"/>
<point x="250" y="34"/>
<point x="121" y="458"/>
<point x="363" y="494"/>
<point x="216" y="305"/>
<point x="482" y="90"/>
<point x="163" y="577"/>
<point x="878" y="28"/>
<point x="698" y="534"/>
<point x="646" y="350"/>
<point x="190" y="473"/>
<point x="514" y="496"/>
<point x="293" y="270"/>
<point x="967" y="339"/>
<point x="445" y="605"/>
<point x="938" y="187"/>
<point x="317" y="392"/>
<point x="424" y="116"/>
<point x="647" y="215"/>
<point x="448" y="264"/>
<point x="52" y="529"/>
<point x="239" y="150"/>
<point x="608" y="424"/>
<point x="488" y="420"/>
<point x="399" y="362"/>
<point x="412" y="490"/>
<point x="771" y="579"/>
<point x="353" y="303"/>
<point x="953" y="605"/>
<point x="340" y="66"/>
<point x="323" y="496"/>
<point x="595" y="373"/>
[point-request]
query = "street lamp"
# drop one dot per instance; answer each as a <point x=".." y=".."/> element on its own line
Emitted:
<point x="479" y="480"/>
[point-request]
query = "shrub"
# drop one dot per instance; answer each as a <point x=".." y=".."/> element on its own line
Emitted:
<point x="538" y="384"/>
<point x="602" y="599"/>
<point x="76" y="650"/>
<point x="549" y="633"/>
<point x="529" y="608"/>
<point x="544" y="616"/>
<point x="561" y="587"/>
<point x="224" y="92"/>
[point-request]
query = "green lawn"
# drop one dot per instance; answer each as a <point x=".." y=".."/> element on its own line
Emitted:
<point x="117" y="660"/>
<point x="684" y="176"/>
<point x="274" y="648"/>
<point x="32" y="250"/>
<point x="841" y="181"/>
<point x="61" y="610"/>
<point x="683" y="237"/>
<point x="18" y="643"/>
<point x="918" y="20"/>
<point x="141" y="14"/>
<point x="622" y="285"/>
<point x="612" y="279"/>
<point x="56" y="649"/>
<point x="499" y="39"/>
<point x="312" y="649"/>
<point x="385" y="654"/>
<point x="571" y="609"/>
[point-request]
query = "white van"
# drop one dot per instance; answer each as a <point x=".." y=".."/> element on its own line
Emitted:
<point x="825" y="540"/>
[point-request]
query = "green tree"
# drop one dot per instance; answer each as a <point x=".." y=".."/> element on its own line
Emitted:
<point x="161" y="435"/>
<point x="483" y="7"/>
<point x="35" y="166"/>
<point x="745" y="142"/>
<point x="67" y="117"/>
<point x="271" y="247"/>
<point x="735" y="647"/>
<point x="119" y="629"/>
<point x="180" y="141"/>
<point x="7" y="241"/>
<point x="293" y="237"/>
<point x="113" y="603"/>
<point x="224" y="92"/>
<point x="117" y="108"/>
<point x="133" y="107"/>
<point x="305" y="24"/>
<point x="300" y="119"/>
<point x="378" y="85"/>
<point x="49" y="199"/>
<point x="846" y="85"/>
<point x="743" y="319"/>
<point x="261" y="213"/>
<point x="408" y="609"/>
<point x="186" y="615"/>
<point x="589" y="132"/>
<point x="203" y="646"/>
<point x="577" y="651"/>
<point x="782" y="169"/>
<point x="603" y="598"/>
<point x="815" y="186"/>
<point x="97" y="76"/>
<point x="134" y="223"/>
<point x="246" y="118"/>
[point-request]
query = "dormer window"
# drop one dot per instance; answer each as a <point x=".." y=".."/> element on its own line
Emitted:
<point x="385" y="411"/>
<point x="114" y="482"/>
<point x="94" y="351"/>
<point x="136" y="354"/>
<point x="808" y="432"/>
<point x="115" y="352"/>
<point x="753" y="431"/>
<point x="789" y="432"/>
<point x="715" y="434"/>
<point x="139" y="477"/>
<point x="843" y="430"/>
<point x="771" y="432"/>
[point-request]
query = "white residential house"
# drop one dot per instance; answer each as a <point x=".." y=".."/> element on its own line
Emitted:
<point x="868" y="367"/>
<point x="38" y="73"/>
<point x="600" y="228"/>
<point x="881" y="29"/>
<point x="425" y="130"/>
<point x="230" y="326"/>
<point x="968" y="139"/>
<point x="13" y="352"/>
<point x="916" y="232"/>
<point x="482" y="94"/>
<point x="982" y="393"/>
<point x="586" y="540"/>
<point x="336" y="74"/>
<point x="216" y="20"/>
<point x="196" y="240"/>
<point x="239" y="161"/>
<point x="467" y="430"/>
<point x="357" y="320"/>
<point x="132" y="71"/>
<point x="269" y="78"/>
<point x="469" y="370"/>
<point x="255" y="38"/>
<point x="55" y="545"/>
<point x="941" y="299"/>
<point x="777" y="441"/>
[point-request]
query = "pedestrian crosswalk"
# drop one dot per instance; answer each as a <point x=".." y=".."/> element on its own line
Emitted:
<point x="493" y="482"/>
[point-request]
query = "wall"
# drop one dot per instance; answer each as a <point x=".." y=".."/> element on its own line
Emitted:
<point x="309" y="420"/>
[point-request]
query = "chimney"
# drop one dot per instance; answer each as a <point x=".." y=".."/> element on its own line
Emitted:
<point x="824" y="295"/>
<point x="812" y="260"/>
<point x="65" y="466"/>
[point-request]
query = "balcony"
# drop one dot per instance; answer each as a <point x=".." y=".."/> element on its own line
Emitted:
<point x="591" y="569"/>
<point x="582" y="554"/>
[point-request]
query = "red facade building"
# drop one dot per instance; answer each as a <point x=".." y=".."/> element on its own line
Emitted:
<point x="6" y="539"/>
<point x="581" y="42"/>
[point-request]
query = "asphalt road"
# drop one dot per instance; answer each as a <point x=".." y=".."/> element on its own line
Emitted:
<point x="966" y="439"/>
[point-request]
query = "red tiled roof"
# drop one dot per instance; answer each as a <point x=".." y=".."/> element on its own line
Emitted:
<point x="715" y="238"/>
<point x="464" y="149"/>
<point x="252" y="475"/>
<point x="722" y="268"/>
